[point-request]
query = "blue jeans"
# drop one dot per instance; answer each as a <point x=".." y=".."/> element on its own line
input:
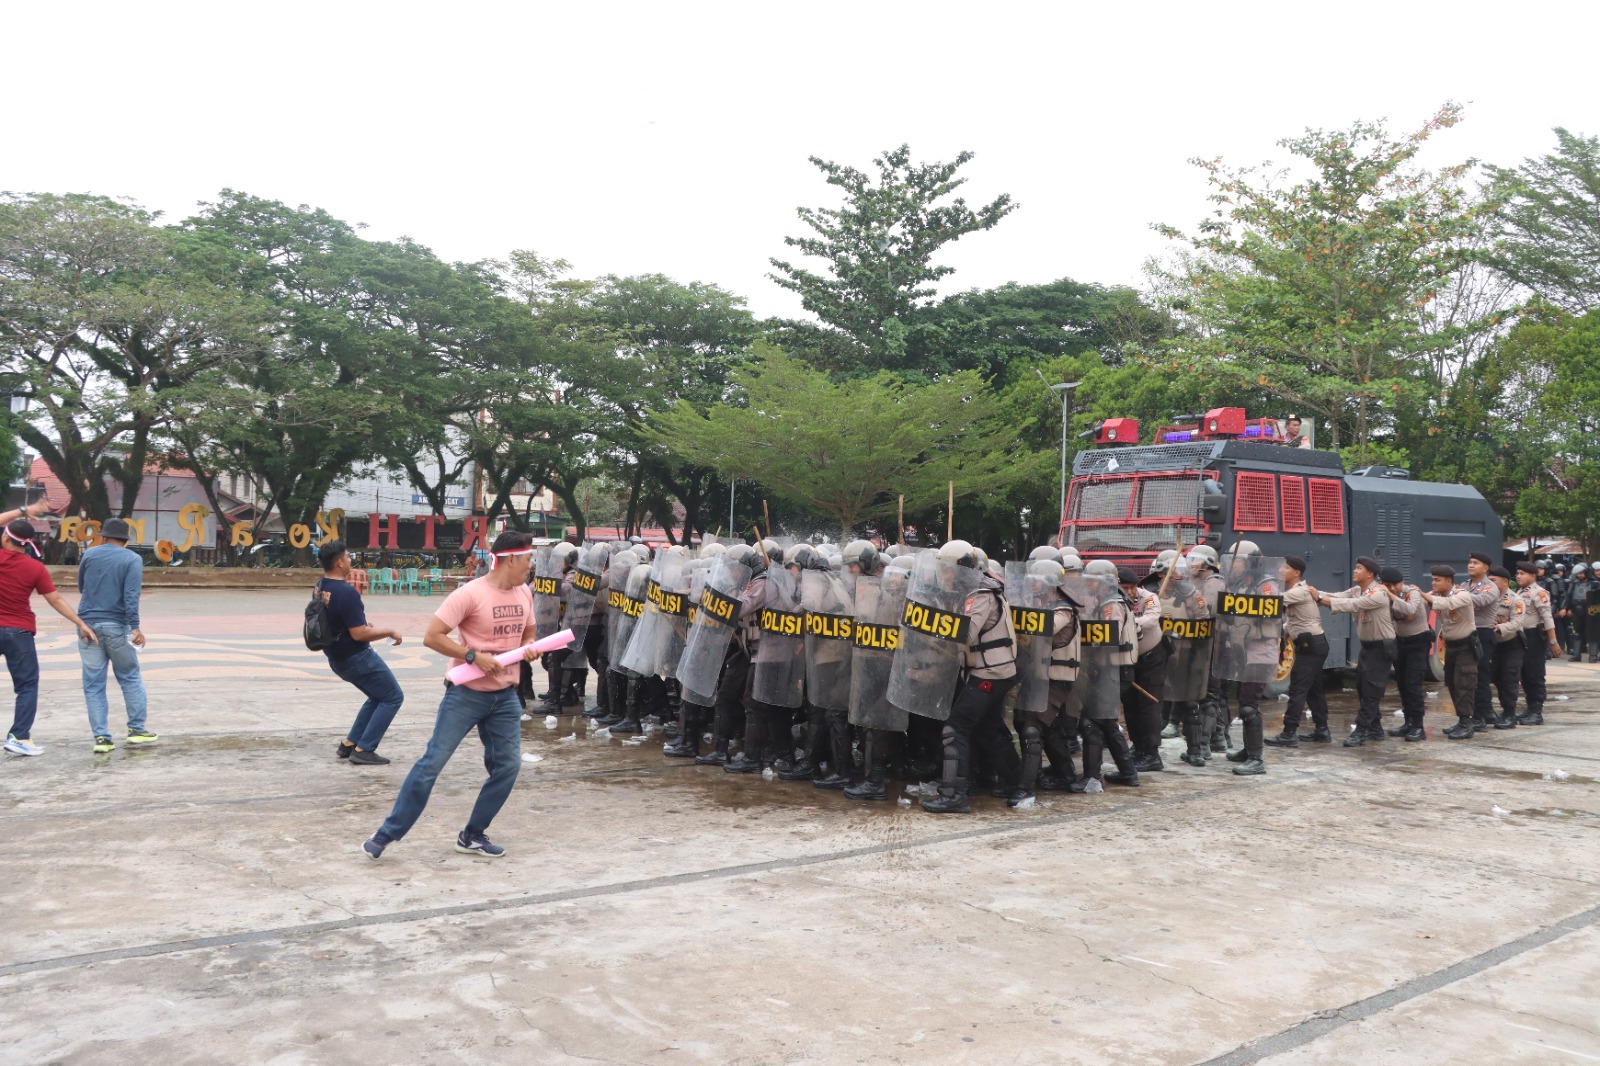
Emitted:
<point x="23" y="662"/>
<point x="498" y="719"/>
<point x="124" y="659"/>
<point x="367" y="671"/>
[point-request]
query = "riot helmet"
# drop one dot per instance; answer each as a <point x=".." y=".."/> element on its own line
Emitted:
<point x="774" y="550"/>
<point x="862" y="555"/>
<point x="1101" y="568"/>
<point x="1164" y="561"/>
<point x="1203" y="555"/>
<point x="565" y="553"/>
<point x="1071" y="564"/>
<point x="959" y="552"/>
<point x="805" y="557"/>
<point x="1045" y="551"/>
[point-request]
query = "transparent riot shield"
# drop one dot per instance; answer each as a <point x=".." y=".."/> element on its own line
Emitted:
<point x="585" y="608"/>
<point x="630" y="609"/>
<point x="547" y="593"/>
<point x="657" y="639"/>
<point x="1186" y="621"/>
<point x="933" y="637"/>
<point x="880" y="602"/>
<point x="1030" y="591"/>
<point x="716" y="619"/>
<point x="1104" y="627"/>
<point x="778" y="669"/>
<point x="830" y="628"/>
<point x="1249" y="620"/>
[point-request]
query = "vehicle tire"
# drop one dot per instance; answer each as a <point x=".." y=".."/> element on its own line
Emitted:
<point x="1436" y="661"/>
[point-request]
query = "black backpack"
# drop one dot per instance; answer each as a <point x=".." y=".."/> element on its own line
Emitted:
<point x="319" y="629"/>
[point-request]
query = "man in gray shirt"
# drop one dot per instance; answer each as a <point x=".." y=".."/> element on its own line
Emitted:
<point x="1413" y="647"/>
<point x="109" y="581"/>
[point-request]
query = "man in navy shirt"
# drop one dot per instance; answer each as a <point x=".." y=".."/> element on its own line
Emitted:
<point x="352" y="658"/>
<point x="109" y="581"/>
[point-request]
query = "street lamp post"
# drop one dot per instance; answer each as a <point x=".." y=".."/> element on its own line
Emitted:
<point x="1065" y="390"/>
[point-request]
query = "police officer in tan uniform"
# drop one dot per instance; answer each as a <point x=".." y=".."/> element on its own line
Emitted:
<point x="1369" y="602"/>
<point x="1413" y="647"/>
<point x="1302" y="627"/>
<point x="1508" y="645"/>
<point x="1457" y="628"/>
<point x="1141" y="701"/>
<point x="1539" y="641"/>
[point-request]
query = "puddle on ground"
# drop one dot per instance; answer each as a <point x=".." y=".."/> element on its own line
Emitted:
<point x="1431" y="767"/>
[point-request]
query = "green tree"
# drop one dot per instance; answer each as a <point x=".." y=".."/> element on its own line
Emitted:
<point x="1549" y="232"/>
<point x="879" y="250"/>
<point x="105" y="320"/>
<point x="1311" y="291"/>
<point x="847" y="449"/>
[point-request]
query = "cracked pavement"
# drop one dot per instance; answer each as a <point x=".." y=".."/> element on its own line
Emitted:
<point x="206" y="901"/>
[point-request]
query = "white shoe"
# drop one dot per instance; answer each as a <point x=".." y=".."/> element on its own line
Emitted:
<point x="22" y="747"/>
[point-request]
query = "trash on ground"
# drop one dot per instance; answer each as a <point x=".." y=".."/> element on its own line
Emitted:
<point x="1557" y="775"/>
<point x="1562" y="699"/>
<point x="527" y="718"/>
<point x="551" y="721"/>
<point x="567" y="739"/>
<point x="1497" y="809"/>
<point x="603" y="731"/>
<point x="1094" y="785"/>
<point x="529" y="756"/>
<point x="1027" y="804"/>
<point x="769" y="774"/>
<point x="904" y="802"/>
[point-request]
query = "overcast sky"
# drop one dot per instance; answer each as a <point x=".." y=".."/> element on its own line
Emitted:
<point x="673" y="137"/>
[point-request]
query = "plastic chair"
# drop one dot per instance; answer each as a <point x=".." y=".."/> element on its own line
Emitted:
<point x="431" y="580"/>
<point x="383" y="581"/>
<point x="358" y="580"/>
<point x="408" y="583"/>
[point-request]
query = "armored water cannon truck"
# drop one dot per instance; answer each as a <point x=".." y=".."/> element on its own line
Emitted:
<point x="1221" y="477"/>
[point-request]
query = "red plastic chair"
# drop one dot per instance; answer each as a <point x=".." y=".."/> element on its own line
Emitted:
<point x="358" y="579"/>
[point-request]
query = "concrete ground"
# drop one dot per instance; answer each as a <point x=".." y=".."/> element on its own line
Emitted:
<point x="204" y="901"/>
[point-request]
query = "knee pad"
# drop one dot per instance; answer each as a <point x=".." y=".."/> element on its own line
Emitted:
<point x="1031" y="735"/>
<point x="947" y="735"/>
<point x="1250" y="714"/>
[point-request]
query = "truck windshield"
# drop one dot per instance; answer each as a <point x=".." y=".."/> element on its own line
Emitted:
<point x="1138" y="513"/>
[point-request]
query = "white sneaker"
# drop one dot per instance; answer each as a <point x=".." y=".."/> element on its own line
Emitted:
<point x="22" y="747"/>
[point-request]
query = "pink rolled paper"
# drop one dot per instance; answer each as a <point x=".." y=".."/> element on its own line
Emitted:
<point x="460" y="675"/>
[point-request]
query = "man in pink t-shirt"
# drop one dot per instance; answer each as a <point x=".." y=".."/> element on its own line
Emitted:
<point x="488" y="616"/>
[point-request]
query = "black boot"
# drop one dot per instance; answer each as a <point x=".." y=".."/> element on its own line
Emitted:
<point x="804" y="770"/>
<point x="1534" y="716"/>
<point x="1286" y="739"/>
<point x="1254" y="761"/>
<point x="1462" y="730"/>
<point x="1505" y="721"/>
<point x="687" y="745"/>
<point x="952" y="799"/>
<point x="1320" y="735"/>
<point x="1196" y="728"/>
<point x="629" y="720"/>
<point x="717" y="756"/>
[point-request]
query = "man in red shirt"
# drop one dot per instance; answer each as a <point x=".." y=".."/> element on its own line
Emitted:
<point x="21" y="575"/>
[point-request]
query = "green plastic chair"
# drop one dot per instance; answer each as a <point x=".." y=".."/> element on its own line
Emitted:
<point x="408" y="583"/>
<point x="433" y="580"/>
<point x="382" y="580"/>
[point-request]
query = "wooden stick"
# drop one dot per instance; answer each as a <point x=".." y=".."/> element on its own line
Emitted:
<point x="1143" y="693"/>
<point x="1167" y="577"/>
<point x="760" y="547"/>
<point x="901" y="540"/>
<point x="767" y="515"/>
<point x="950" y="515"/>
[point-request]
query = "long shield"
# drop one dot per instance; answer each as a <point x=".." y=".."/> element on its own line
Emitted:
<point x="880" y="601"/>
<point x="629" y="609"/>
<point x="829" y="603"/>
<point x="933" y="636"/>
<point x="657" y="640"/>
<point x="547" y="596"/>
<point x="1187" y="621"/>
<point x="777" y="670"/>
<point x="1249" y="620"/>
<point x="1103" y="628"/>
<point x="716" y="618"/>
<point x="585" y="609"/>
<point x="1030" y="597"/>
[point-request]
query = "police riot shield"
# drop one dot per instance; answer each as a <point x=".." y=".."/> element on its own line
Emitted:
<point x="830" y="625"/>
<point x="1030" y="596"/>
<point x="657" y="638"/>
<point x="933" y="636"/>
<point x="584" y="607"/>
<point x="547" y="597"/>
<point x="1186" y="621"/>
<point x="1103" y="629"/>
<point x="1249" y="620"/>
<point x="716" y="619"/>
<point x="880" y="601"/>
<point x="629" y="609"/>
<point x="778" y="669"/>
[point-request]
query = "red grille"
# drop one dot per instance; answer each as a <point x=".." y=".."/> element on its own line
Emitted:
<point x="1327" y="505"/>
<point x="1255" y="503"/>
<point x="1292" y="490"/>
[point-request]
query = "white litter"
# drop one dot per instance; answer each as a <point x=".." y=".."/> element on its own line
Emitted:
<point x="567" y="739"/>
<point x="1562" y="699"/>
<point x="1283" y="697"/>
<point x="646" y="728"/>
<point x="1557" y="775"/>
<point x="551" y="721"/>
<point x="603" y="731"/>
<point x="1026" y="804"/>
<point x="529" y="756"/>
<point x="707" y="738"/>
<point x="634" y="740"/>
<point x="1093" y="785"/>
<point x="1497" y="809"/>
<point x="925" y="788"/>
<point x="527" y="718"/>
<point x="769" y="774"/>
<point x="904" y="802"/>
<point x="1399" y="714"/>
<point x="1431" y="695"/>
